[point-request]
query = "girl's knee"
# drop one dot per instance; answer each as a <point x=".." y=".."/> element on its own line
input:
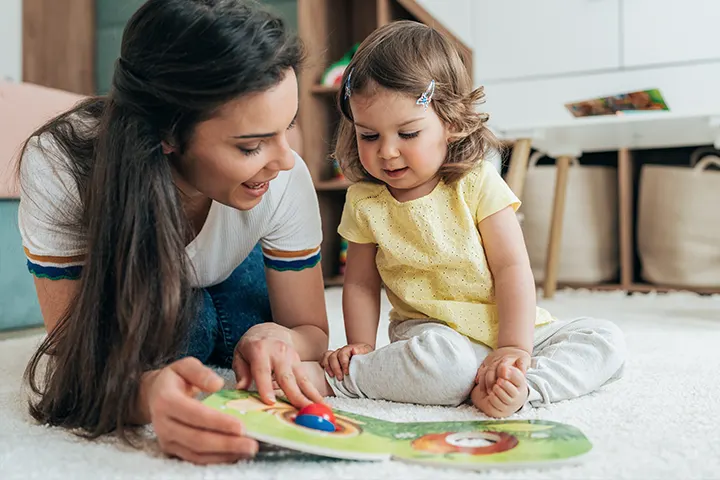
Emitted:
<point x="613" y="340"/>
<point x="613" y="334"/>
<point x="451" y="373"/>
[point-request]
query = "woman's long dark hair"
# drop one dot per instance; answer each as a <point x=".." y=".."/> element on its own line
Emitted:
<point x="180" y="60"/>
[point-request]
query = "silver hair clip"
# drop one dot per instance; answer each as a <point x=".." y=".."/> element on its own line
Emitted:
<point x="347" y="84"/>
<point x="427" y="95"/>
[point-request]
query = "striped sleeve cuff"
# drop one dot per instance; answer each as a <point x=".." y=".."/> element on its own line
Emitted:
<point x="54" y="268"/>
<point x="295" y="261"/>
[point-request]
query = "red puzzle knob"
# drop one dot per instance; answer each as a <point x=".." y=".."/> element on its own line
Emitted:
<point x="320" y="410"/>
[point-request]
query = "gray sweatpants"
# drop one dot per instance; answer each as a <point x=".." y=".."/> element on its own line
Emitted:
<point x="429" y="363"/>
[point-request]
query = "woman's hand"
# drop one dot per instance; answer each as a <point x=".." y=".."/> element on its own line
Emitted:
<point x="186" y="428"/>
<point x="266" y="353"/>
<point x="337" y="363"/>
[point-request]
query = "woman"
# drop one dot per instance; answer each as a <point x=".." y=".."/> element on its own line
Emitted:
<point x="139" y="215"/>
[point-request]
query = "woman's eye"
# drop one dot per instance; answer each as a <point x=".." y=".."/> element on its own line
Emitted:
<point x="251" y="151"/>
<point x="369" y="137"/>
<point x="409" y="135"/>
<point x="292" y="124"/>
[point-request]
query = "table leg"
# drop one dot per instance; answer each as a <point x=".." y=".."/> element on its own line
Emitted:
<point x="625" y="204"/>
<point x="518" y="166"/>
<point x="556" y="226"/>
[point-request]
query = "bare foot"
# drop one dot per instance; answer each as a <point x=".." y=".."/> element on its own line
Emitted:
<point x="507" y="396"/>
<point x="316" y="375"/>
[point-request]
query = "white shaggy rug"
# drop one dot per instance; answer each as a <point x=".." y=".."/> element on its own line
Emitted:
<point x="662" y="420"/>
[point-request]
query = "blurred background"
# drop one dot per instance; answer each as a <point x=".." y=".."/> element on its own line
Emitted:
<point x="608" y="109"/>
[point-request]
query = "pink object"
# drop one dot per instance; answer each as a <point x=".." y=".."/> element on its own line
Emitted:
<point x="23" y="108"/>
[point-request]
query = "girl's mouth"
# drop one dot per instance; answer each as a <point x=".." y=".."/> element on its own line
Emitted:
<point x="397" y="173"/>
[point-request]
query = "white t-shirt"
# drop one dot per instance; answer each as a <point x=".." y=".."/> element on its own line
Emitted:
<point x="286" y="223"/>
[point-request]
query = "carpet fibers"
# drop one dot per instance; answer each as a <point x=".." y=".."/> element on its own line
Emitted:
<point x="662" y="420"/>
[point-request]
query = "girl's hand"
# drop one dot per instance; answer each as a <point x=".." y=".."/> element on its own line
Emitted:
<point x="337" y="363"/>
<point x="510" y="356"/>
<point x="266" y="353"/>
<point x="186" y="428"/>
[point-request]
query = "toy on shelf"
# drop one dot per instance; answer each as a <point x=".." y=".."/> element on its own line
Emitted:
<point x="343" y="256"/>
<point x="333" y="75"/>
<point x="337" y="171"/>
<point x="473" y="444"/>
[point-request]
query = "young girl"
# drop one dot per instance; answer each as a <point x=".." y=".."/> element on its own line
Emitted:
<point x="437" y="226"/>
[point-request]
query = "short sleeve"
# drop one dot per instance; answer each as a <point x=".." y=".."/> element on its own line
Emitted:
<point x="49" y="213"/>
<point x="293" y="239"/>
<point x="351" y="227"/>
<point x="492" y="193"/>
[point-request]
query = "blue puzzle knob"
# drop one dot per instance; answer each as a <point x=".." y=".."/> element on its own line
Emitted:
<point x="315" y="422"/>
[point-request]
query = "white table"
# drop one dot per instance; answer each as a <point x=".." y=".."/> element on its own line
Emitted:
<point x="570" y="139"/>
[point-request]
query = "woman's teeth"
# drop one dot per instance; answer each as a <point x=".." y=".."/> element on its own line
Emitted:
<point x="256" y="186"/>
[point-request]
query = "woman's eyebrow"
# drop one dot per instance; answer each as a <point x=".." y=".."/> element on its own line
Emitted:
<point x="264" y="135"/>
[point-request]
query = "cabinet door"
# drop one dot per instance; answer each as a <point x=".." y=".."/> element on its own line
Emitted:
<point x="527" y="38"/>
<point x="669" y="31"/>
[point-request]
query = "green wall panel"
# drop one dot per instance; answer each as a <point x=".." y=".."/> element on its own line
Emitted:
<point x="112" y="15"/>
<point x="18" y="303"/>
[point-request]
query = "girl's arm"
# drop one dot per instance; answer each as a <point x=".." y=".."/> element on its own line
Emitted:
<point x="514" y="284"/>
<point x="361" y="294"/>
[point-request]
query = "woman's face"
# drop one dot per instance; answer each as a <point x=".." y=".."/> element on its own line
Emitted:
<point x="233" y="156"/>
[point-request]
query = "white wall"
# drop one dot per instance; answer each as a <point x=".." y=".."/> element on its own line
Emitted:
<point x="11" y="40"/>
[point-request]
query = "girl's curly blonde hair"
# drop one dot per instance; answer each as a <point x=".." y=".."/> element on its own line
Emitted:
<point x="404" y="56"/>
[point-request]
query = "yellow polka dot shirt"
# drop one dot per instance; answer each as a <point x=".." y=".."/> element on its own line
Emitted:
<point x="429" y="251"/>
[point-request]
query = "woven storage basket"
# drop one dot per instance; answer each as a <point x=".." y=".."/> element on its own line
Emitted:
<point x="679" y="223"/>
<point x="589" y="246"/>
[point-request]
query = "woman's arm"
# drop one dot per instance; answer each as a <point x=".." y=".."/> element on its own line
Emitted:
<point x="297" y="300"/>
<point x="361" y="294"/>
<point x="299" y="332"/>
<point x="514" y="284"/>
<point x="54" y="296"/>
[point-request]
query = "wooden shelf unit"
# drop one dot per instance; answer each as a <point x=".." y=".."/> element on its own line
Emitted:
<point x="328" y="29"/>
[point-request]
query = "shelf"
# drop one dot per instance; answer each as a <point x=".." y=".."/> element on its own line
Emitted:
<point x="325" y="90"/>
<point x="597" y="287"/>
<point x="649" y="287"/>
<point x="636" y="288"/>
<point x="334" y="184"/>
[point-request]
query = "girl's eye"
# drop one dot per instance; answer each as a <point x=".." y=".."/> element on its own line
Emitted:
<point x="369" y="137"/>
<point x="292" y="124"/>
<point x="410" y="135"/>
<point x="251" y="151"/>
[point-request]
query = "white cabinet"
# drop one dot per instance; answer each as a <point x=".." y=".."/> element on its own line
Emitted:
<point x="515" y="39"/>
<point x="456" y="16"/>
<point x="11" y="40"/>
<point x="668" y="31"/>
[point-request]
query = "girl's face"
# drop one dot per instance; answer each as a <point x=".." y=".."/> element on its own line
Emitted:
<point x="399" y="142"/>
<point x="232" y="157"/>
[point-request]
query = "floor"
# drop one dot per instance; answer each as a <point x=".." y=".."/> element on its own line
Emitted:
<point x="659" y="421"/>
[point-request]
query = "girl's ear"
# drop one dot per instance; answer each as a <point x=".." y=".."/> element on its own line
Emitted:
<point x="451" y="133"/>
<point x="167" y="148"/>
